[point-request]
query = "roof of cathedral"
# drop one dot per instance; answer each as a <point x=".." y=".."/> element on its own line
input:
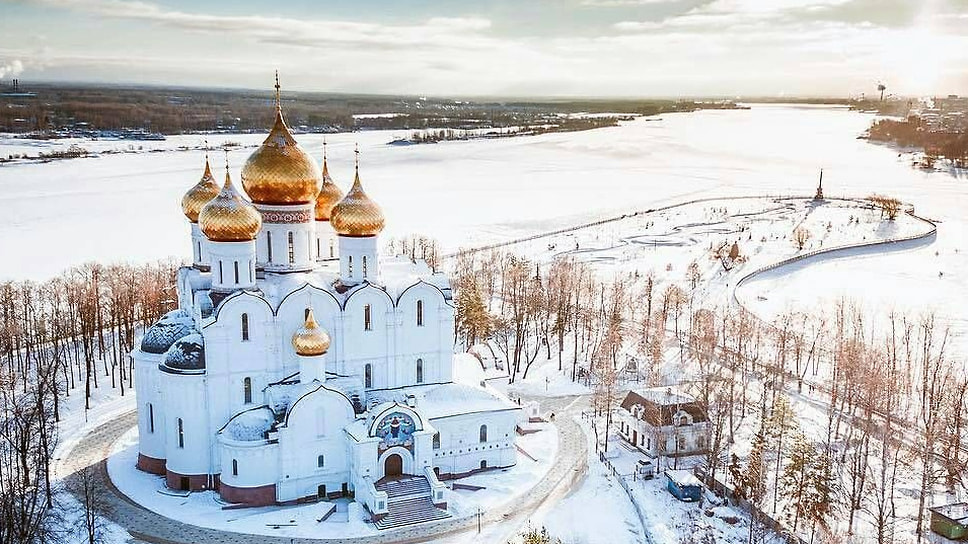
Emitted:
<point x="172" y="326"/>
<point x="228" y="217"/>
<point x="206" y="189"/>
<point x="187" y="353"/>
<point x="311" y="339"/>
<point x="329" y="195"/>
<point x="357" y="214"/>
<point x="280" y="171"/>
<point x="250" y="425"/>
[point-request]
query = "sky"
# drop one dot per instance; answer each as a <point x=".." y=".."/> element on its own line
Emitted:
<point x="626" y="48"/>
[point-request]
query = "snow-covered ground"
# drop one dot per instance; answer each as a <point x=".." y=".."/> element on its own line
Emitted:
<point x="204" y="509"/>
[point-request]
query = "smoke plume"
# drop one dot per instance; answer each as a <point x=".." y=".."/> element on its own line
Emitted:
<point x="12" y="68"/>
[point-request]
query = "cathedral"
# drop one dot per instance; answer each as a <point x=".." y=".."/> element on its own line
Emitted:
<point x="301" y="363"/>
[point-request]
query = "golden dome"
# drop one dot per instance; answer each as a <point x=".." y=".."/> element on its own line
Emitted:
<point x="357" y="214"/>
<point x="200" y="194"/>
<point x="328" y="196"/>
<point x="311" y="339"/>
<point x="280" y="172"/>
<point x="228" y="217"/>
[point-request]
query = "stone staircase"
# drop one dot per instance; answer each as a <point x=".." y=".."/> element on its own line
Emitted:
<point x="409" y="502"/>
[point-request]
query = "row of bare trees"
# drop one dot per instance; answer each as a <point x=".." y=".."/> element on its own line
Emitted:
<point x="56" y="337"/>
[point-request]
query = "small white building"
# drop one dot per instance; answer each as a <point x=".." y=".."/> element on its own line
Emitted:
<point x="302" y="364"/>
<point x="663" y="421"/>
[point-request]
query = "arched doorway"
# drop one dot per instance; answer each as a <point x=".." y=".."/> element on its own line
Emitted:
<point x="393" y="466"/>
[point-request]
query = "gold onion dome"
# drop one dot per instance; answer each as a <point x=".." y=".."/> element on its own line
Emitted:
<point x="357" y="214"/>
<point x="328" y="196"/>
<point x="311" y="339"/>
<point x="228" y="217"/>
<point x="280" y="172"/>
<point x="200" y="194"/>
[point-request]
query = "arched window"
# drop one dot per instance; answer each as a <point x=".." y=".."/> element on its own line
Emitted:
<point x="292" y="250"/>
<point x="368" y="376"/>
<point x="367" y="323"/>
<point x="181" y="434"/>
<point x="320" y="461"/>
<point x="245" y="327"/>
<point x="420" y="313"/>
<point x="269" y="245"/>
<point x="483" y="465"/>
<point x="247" y="387"/>
<point x="349" y="265"/>
<point x="483" y="433"/>
<point x="419" y="370"/>
<point x="151" y="418"/>
<point x="221" y="276"/>
<point x="236" y="264"/>
<point x="364" y="266"/>
<point x="436" y="441"/>
<point x="319" y="252"/>
<point x="235" y="467"/>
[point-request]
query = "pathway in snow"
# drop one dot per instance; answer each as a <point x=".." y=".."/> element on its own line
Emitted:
<point x="146" y="526"/>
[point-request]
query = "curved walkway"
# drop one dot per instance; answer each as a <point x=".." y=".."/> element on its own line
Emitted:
<point x="147" y="526"/>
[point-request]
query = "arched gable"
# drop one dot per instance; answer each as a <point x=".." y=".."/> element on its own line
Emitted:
<point x="242" y="301"/>
<point x="368" y="288"/>
<point x="310" y="295"/>
<point x="387" y="410"/>
<point x="321" y="395"/>
<point x="420" y="289"/>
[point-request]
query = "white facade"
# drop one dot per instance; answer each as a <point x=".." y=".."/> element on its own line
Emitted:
<point x="226" y="403"/>
<point x="661" y="421"/>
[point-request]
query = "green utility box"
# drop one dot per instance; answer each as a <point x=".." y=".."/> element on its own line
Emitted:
<point x="950" y="520"/>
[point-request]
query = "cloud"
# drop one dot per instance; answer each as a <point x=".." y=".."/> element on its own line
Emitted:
<point x="12" y="68"/>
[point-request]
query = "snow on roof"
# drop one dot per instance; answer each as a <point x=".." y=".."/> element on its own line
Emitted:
<point x="187" y="353"/>
<point x="683" y="478"/>
<point x="665" y="396"/>
<point x="251" y="425"/>
<point x="447" y="399"/>
<point x="172" y="326"/>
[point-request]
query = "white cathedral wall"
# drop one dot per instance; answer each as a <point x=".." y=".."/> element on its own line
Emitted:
<point x="358" y="259"/>
<point x="151" y="441"/>
<point x="461" y="449"/>
<point x="291" y="315"/>
<point x="233" y="265"/>
<point x="326" y="244"/>
<point x="257" y="462"/>
<point x="184" y="399"/>
<point x="360" y="346"/>
<point x="314" y="427"/>
<point x="278" y="222"/>
<point x="200" y="258"/>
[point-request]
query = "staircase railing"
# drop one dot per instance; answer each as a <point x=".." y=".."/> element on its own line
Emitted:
<point x="374" y="499"/>
<point x="436" y="487"/>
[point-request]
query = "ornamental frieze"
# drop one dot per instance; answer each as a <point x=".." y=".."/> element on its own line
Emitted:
<point x="287" y="217"/>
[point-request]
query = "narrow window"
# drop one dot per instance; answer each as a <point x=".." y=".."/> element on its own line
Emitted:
<point x="247" y="387"/>
<point x="221" y="277"/>
<point x="332" y="250"/>
<point x="151" y="418"/>
<point x="319" y="252"/>
<point x="483" y="433"/>
<point x="320" y="461"/>
<point x="236" y="264"/>
<point x="367" y="323"/>
<point x="269" y="244"/>
<point x="245" y="327"/>
<point x="306" y="314"/>
<point x="364" y="266"/>
<point x="199" y="251"/>
<point x="181" y="434"/>
<point x="420" y="313"/>
<point x="292" y="250"/>
<point x="436" y="441"/>
<point x="251" y="271"/>
<point x="349" y="266"/>
<point x="483" y="465"/>
<point x="368" y="376"/>
<point x="419" y="370"/>
<point x="235" y="467"/>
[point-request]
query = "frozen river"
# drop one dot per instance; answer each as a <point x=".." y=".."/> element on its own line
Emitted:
<point x="127" y="206"/>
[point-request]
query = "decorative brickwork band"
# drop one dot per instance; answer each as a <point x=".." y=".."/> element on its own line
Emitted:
<point x="287" y="217"/>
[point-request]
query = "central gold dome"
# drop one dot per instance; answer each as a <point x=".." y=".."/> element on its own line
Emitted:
<point x="228" y="217"/>
<point x="357" y="214"/>
<point x="328" y="196"/>
<point x="311" y="339"/>
<point x="281" y="172"/>
<point x="199" y="194"/>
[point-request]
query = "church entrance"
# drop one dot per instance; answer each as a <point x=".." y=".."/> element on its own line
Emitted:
<point x="393" y="466"/>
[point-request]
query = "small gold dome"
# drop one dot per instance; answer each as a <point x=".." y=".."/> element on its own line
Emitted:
<point x="228" y="217"/>
<point x="200" y="194"/>
<point x="311" y="339"/>
<point x="357" y="214"/>
<point x="280" y="172"/>
<point x="328" y="196"/>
